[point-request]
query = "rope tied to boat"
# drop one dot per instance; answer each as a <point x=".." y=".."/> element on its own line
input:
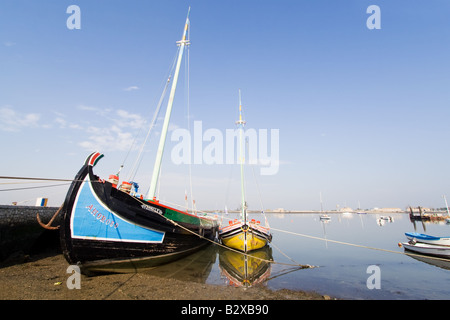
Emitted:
<point x="359" y="245"/>
<point x="295" y="264"/>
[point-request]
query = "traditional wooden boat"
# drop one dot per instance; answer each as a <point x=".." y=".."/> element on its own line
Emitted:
<point x="244" y="234"/>
<point x="425" y="238"/>
<point x="106" y="228"/>
<point x="427" y="249"/>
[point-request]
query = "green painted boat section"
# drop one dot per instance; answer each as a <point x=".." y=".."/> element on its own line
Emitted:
<point x="199" y="219"/>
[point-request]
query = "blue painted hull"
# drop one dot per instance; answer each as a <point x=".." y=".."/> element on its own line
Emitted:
<point x="105" y="229"/>
<point x="425" y="238"/>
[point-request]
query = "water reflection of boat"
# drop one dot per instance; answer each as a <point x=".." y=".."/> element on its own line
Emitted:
<point x="381" y="221"/>
<point x="440" y="263"/>
<point x="195" y="267"/>
<point x="244" y="270"/>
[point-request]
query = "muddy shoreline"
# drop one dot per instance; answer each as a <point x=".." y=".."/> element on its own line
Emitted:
<point x="44" y="277"/>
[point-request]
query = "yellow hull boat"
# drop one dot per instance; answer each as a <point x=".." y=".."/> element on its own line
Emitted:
<point x="245" y="237"/>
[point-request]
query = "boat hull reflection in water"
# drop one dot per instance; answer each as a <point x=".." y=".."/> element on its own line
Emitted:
<point x="243" y="270"/>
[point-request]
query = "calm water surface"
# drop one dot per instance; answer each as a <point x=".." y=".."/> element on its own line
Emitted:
<point x="341" y="270"/>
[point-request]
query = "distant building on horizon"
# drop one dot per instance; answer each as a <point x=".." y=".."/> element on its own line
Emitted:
<point x="388" y="210"/>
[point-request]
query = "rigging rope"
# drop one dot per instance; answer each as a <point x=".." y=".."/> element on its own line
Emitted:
<point x="259" y="194"/>
<point x="138" y="160"/>
<point x="187" y="81"/>
<point x="135" y="167"/>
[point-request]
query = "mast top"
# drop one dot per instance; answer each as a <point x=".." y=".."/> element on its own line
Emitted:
<point x="186" y="27"/>
<point x="240" y="121"/>
<point x="156" y="169"/>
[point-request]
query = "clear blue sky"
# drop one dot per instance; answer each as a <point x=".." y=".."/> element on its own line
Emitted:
<point x="363" y="114"/>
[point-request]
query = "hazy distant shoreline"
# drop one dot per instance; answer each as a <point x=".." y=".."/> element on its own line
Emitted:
<point x="283" y="211"/>
<point x="312" y="211"/>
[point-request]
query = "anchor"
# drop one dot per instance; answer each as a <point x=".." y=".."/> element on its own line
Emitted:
<point x="48" y="225"/>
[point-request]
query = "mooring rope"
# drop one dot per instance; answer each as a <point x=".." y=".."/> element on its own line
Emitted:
<point x="36" y="187"/>
<point x="359" y="245"/>
<point x="296" y="264"/>
<point x="30" y="178"/>
<point x="302" y="266"/>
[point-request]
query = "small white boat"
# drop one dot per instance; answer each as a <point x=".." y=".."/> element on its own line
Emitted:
<point x="325" y="217"/>
<point x="425" y="238"/>
<point x="427" y="249"/>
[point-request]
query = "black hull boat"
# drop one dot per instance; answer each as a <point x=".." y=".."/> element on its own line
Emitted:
<point x="111" y="229"/>
<point x="106" y="229"/>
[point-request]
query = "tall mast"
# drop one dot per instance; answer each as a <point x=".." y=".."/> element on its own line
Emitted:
<point x="321" y="205"/>
<point x="182" y="44"/>
<point x="446" y="205"/>
<point x="241" y="124"/>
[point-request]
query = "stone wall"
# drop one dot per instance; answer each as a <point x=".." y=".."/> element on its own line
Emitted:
<point x="19" y="230"/>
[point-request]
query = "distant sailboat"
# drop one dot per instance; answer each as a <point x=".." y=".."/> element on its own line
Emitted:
<point x="244" y="234"/>
<point x="106" y="228"/>
<point x="323" y="216"/>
